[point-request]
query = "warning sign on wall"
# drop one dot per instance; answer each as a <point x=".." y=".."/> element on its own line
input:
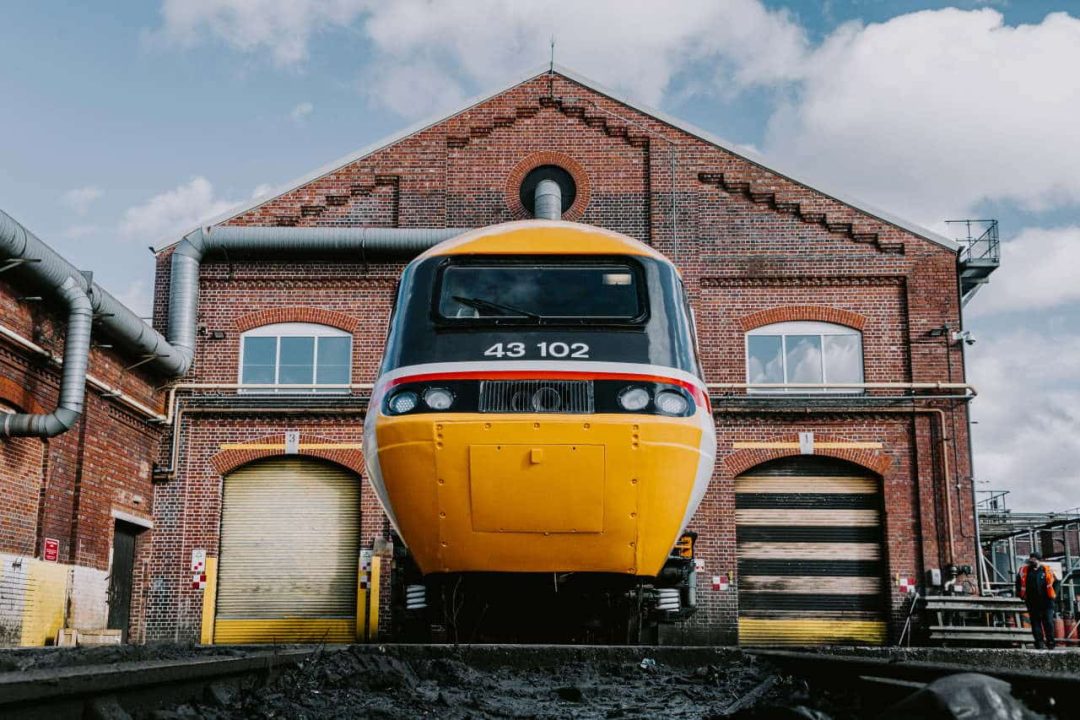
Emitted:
<point x="51" y="551"/>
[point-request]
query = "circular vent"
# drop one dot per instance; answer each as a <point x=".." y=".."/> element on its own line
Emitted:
<point x="527" y="191"/>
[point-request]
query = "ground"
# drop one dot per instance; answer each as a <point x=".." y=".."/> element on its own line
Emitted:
<point x="490" y="681"/>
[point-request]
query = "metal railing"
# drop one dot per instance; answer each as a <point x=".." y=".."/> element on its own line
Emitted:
<point x="979" y="239"/>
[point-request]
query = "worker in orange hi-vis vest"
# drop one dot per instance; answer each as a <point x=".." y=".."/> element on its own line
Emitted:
<point x="1035" y="585"/>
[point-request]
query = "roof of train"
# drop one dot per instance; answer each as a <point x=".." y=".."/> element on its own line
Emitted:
<point x="542" y="237"/>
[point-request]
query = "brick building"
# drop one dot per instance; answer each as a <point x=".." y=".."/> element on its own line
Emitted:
<point x="791" y="285"/>
<point x="75" y="508"/>
<point x="756" y="248"/>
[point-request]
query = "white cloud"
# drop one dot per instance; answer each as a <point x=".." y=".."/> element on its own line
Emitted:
<point x="411" y="89"/>
<point x="1038" y="271"/>
<point x="930" y="113"/>
<point x="300" y="113"/>
<point x="137" y="297"/>
<point x="282" y="27"/>
<point x="261" y="190"/>
<point x="444" y="47"/>
<point x="173" y="211"/>
<point x="79" y="200"/>
<point x="78" y="231"/>
<point x="1027" y="439"/>
<point x="926" y="114"/>
<point x="624" y="43"/>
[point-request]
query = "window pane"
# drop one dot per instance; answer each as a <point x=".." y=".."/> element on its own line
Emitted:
<point x="843" y="359"/>
<point x="764" y="362"/>
<point x="553" y="291"/>
<point x="334" y="357"/>
<point x="297" y="361"/>
<point x="804" y="359"/>
<point x="259" y="360"/>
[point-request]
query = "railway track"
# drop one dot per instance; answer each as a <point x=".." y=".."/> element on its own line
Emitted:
<point x="113" y="691"/>
<point x="120" y="690"/>
<point x="884" y="681"/>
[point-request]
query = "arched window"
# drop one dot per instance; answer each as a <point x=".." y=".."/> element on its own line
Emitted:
<point x="295" y="354"/>
<point x="804" y="352"/>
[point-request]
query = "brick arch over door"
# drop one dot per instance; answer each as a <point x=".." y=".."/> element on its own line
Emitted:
<point x="740" y="461"/>
<point x="795" y="313"/>
<point x="296" y="314"/>
<point x="225" y="461"/>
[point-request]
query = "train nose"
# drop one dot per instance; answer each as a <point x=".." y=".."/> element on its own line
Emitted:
<point x="537" y="488"/>
<point x="547" y="493"/>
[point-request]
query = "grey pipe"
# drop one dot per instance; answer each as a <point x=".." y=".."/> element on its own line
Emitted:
<point x="358" y="243"/>
<point x="547" y="201"/>
<point x="73" y="378"/>
<point x="48" y="268"/>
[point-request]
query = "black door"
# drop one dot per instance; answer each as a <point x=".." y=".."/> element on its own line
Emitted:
<point x="120" y="579"/>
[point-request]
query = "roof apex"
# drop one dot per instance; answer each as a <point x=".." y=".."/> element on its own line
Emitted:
<point x="569" y="74"/>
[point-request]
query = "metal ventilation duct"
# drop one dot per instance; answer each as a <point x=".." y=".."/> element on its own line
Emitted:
<point x="46" y="267"/>
<point x="548" y="204"/>
<point x="73" y="379"/>
<point x="359" y="243"/>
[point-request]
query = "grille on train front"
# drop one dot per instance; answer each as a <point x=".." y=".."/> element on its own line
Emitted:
<point x="536" y="396"/>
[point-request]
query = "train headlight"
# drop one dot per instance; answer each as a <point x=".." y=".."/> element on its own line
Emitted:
<point x="634" y="399"/>
<point x="438" y="398"/>
<point x="670" y="402"/>
<point x="402" y="402"/>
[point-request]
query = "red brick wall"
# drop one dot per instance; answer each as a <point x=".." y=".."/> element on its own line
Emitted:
<point x="67" y="487"/>
<point x="750" y="244"/>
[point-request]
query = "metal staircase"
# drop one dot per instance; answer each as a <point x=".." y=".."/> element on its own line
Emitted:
<point x="980" y="255"/>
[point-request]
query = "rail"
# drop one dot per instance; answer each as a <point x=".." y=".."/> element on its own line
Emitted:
<point x="887" y="679"/>
<point x="97" y="690"/>
<point x="878" y="677"/>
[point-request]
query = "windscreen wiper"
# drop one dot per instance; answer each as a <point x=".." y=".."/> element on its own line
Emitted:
<point x="482" y="304"/>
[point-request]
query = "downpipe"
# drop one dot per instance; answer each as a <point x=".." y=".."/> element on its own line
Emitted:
<point x="73" y="374"/>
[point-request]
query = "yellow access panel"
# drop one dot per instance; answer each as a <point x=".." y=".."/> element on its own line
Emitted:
<point x="537" y="488"/>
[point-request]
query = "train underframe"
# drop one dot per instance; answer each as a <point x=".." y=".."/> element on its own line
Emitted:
<point x="557" y="607"/>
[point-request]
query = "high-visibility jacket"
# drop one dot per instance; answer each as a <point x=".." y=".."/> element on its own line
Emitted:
<point x="1022" y="582"/>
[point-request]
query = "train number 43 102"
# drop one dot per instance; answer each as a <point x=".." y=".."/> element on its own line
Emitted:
<point x="542" y="349"/>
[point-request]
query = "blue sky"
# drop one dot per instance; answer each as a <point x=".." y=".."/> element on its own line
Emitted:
<point x="124" y="122"/>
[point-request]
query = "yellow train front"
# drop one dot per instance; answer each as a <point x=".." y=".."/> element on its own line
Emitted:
<point x="540" y="435"/>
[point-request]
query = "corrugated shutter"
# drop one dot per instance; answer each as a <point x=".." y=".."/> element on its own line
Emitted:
<point x="290" y="538"/>
<point x="811" y="568"/>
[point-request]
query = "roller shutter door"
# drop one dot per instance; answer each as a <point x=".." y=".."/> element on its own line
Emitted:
<point x="290" y="538"/>
<point x="810" y="563"/>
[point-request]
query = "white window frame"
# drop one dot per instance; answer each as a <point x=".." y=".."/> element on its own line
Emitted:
<point x="803" y="327"/>
<point x="293" y="329"/>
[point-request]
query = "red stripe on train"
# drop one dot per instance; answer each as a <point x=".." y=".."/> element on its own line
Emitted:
<point x="696" y="392"/>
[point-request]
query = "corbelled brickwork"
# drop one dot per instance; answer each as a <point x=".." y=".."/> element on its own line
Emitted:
<point x="754" y="247"/>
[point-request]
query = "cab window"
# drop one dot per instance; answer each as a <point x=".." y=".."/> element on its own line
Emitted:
<point x="579" y="292"/>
